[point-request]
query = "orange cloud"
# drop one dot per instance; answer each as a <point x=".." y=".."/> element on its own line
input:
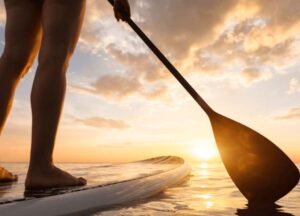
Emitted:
<point x="99" y="122"/>
<point x="254" y="75"/>
<point x="121" y="87"/>
<point x="294" y="86"/>
<point x="139" y="64"/>
<point x="115" y="86"/>
<point x="293" y="113"/>
<point x="209" y="37"/>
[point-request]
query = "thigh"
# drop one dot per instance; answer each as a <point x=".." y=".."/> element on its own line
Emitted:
<point x="23" y="29"/>
<point x="61" y="23"/>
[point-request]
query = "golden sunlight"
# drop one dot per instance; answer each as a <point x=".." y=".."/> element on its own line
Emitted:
<point x="204" y="150"/>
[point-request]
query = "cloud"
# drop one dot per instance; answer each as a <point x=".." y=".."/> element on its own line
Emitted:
<point x="156" y="92"/>
<point x="292" y="114"/>
<point x="176" y="35"/>
<point x="254" y="75"/>
<point x="115" y="86"/>
<point x="224" y="40"/>
<point x="251" y="74"/>
<point x="282" y="17"/>
<point x="121" y="87"/>
<point x="93" y="31"/>
<point x="99" y="122"/>
<point x="116" y="145"/>
<point x="167" y="22"/>
<point x="249" y="39"/>
<point x="236" y="41"/>
<point x="294" y="86"/>
<point x="139" y="64"/>
<point x="209" y="37"/>
<point x="238" y="48"/>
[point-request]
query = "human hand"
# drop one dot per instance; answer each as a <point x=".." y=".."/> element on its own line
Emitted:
<point x="122" y="10"/>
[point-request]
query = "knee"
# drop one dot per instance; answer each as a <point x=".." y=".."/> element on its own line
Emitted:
<point x="16" y="64"/>
<point x="54" y="61"/>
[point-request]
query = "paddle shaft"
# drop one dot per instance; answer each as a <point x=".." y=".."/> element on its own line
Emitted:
<point x="168" y="65"/>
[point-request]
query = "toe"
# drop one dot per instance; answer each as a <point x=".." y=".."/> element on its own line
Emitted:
<point x="82" y="181"/>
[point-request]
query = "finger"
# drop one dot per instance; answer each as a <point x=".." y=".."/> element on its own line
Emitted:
<point x="123" y="9"/>
<point x="117" y="17"/>
<point x="121" y="16"/>
<point x="117" y="14"/>
<point x="126" y="9"/>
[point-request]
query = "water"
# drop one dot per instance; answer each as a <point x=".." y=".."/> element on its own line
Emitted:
<point x="209" y="191"/>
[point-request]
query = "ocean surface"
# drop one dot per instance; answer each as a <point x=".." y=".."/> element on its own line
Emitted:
<point x="208" y="191"/>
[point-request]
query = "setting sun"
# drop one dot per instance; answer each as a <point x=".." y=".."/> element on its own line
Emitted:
<point x="204" y="150"/>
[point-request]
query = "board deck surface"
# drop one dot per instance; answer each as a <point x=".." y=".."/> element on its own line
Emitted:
<point x="109" y="185"/>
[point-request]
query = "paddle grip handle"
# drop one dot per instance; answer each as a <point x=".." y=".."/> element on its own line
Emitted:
<point x="168" y="64"/>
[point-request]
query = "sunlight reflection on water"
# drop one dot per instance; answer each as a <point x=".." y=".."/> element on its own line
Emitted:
<point x="209" y="191"/>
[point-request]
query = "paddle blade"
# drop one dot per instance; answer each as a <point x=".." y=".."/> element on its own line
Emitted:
<point x="261" y="171"/>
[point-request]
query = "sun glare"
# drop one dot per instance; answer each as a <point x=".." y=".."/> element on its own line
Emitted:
<point x="204" y="150"/>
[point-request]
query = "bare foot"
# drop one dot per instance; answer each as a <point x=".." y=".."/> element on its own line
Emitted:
<point x="52" y="177"/>
<point x="6" y="176"/>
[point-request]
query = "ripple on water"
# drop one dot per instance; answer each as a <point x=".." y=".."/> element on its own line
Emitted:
<point x="209" y="192"/>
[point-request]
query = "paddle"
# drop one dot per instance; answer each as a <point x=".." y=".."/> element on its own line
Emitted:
<point x="260" y="170"/>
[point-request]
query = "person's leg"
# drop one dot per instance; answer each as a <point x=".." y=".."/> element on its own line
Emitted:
<point x="61" y="21"/>
<point x="22" y="40"/>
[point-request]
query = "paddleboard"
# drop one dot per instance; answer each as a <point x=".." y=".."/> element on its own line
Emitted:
<point x="109" y="186"/>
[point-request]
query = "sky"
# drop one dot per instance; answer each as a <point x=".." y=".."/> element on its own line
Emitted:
<point x="123" y="105"/>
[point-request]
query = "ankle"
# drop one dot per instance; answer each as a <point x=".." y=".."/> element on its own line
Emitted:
<point x="40" y="167"/>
